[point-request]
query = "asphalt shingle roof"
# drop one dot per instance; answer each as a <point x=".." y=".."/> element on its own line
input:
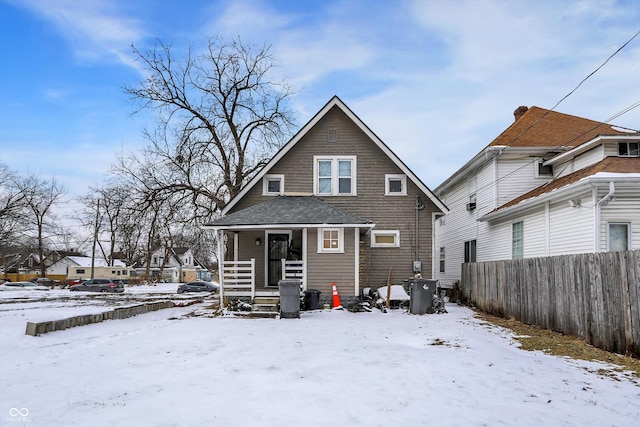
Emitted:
<point x="539" y="127"/>
<point x="609" y="164"/>
<point x="289" y="210"/>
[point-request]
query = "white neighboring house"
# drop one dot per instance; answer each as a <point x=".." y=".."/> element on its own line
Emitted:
<point x="79" y="267"/>
<point x="180" y="266"/>
<point x="550" y="184"/>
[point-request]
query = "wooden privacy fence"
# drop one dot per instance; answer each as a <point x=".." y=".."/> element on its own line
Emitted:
<point x="593" y="296"/>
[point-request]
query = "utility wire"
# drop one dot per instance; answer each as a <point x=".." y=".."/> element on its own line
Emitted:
<point x="624" y="111"/>
<point x="575" y="88"/>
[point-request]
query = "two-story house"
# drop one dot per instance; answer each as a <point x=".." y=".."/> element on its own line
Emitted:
<point x="334" y="205"/>
<point x="550" y="184"/>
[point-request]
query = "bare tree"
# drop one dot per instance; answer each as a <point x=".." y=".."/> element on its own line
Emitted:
<point x="220" y="117"/>
<point x="40" y="196"/>
<point x="11" y="204"/>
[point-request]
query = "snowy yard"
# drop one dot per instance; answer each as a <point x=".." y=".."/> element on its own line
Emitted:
<point x="168" y="368"/>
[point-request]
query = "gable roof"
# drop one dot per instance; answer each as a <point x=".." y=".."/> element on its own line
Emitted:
<point x="334" y="102"/>
<point x="289" y="210"/>
<point x="609" y="168"/>
<point x="82" y="261"/>
<point x="539" y="127"/>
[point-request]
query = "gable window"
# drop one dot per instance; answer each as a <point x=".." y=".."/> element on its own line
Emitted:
<point x="334" y="176"/>
<point x="273" y="185"/>
<point x="516" y="240"/>
<point x="385" y="239"/>
<point x="629" y="149"/>
<point x="441" y="259"/>
<point x="542" y="171"/>
<point x="618" y="236"/>
<point x="470" y="251"/>
<point x="395" y="185"/>
<point x="330" y="240"/>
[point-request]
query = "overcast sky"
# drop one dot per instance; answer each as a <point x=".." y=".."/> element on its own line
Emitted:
<point x="435" y="80"/>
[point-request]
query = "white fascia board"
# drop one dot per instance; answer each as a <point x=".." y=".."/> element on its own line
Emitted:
<point x="335" y="101"/>
<point x="588" y="146"/>
<point x="470" y="167"/>
<point x="283" y="226"/>
<point x="563" y="192"/>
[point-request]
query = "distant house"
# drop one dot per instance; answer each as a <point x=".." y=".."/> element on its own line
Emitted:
<point x="550" y="184"/>
<point x="21" y="263"/>
<point x="174" y="265"/>
<point x="334" y="205"/>
<point x="80" y="267"/>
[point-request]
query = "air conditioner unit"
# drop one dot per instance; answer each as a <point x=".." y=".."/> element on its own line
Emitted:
<point x="471" y="206"/>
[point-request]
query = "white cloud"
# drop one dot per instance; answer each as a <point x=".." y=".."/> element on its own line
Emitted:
<point x="95" y="29"/>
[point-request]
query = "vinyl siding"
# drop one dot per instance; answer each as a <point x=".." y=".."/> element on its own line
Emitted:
<point x="516" y="177"/>
<point x="327" y="268"/>
<point x="624" y="208"/>
<point x="387" y="212"/>
<point x="461" y="225"/>
<point x="571" y="228"/>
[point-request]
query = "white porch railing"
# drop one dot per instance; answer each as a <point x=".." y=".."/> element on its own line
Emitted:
<point x="238" y="277"/>
<point x="292" y="270"/>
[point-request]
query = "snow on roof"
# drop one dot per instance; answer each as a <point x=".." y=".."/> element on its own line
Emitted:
<point x="84" y="261"/>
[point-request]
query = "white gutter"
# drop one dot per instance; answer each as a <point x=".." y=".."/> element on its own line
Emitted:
<point x="565" y="191"/>
<point x="596" y="214"/>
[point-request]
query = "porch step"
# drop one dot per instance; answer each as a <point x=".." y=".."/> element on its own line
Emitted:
<point x="265" y="307"/>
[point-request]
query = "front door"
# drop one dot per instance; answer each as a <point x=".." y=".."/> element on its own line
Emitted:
<point x="278" y="244"/>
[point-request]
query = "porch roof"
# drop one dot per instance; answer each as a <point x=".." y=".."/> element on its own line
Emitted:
<point x="289" y="210"/>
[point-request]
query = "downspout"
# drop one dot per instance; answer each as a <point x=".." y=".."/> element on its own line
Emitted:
<point x="606" y="199"/>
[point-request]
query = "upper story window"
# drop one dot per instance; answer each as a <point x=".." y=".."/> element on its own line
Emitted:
<point x="395" y="185"/>
<point x="629" y="149"/>
<point x="542" y="171"/>
<point x="273" y="185"/>
<point x="473" y="187"/>
<point x="334" y="176"/>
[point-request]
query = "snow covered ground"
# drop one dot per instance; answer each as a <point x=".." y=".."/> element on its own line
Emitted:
<point x="169" y="368"/>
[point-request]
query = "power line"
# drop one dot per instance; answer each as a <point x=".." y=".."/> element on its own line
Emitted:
<point x="576" y="88"/>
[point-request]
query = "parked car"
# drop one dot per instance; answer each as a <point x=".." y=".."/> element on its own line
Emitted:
<point x="76" y="282"/>
<point x="99" y="285"/>
<point x="45" y="281"/>
<point x="197" y="286"/>
<point x="22" y="286"/>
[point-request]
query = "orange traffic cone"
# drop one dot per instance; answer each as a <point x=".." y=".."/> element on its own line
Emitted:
<point x="336" y="298"/>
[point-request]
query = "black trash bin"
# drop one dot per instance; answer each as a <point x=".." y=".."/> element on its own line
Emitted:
<point x="312" y="299"/>
<point x="289" y="298"/>
<point x="421" y="295"/>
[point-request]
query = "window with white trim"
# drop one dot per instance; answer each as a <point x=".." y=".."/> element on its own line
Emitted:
<point x="330" y="240"/>
<point x="334" y="176"/>
<point x="385" y="238"/>
<point x="542" y="171"/>
<point x="395" y="185"/>
<point x="273" y="185"/>
<point x="517" y="234"/>
<point x="618" y="238"/>
<point x="629" y="149"/>
<point x="442" y="259"/>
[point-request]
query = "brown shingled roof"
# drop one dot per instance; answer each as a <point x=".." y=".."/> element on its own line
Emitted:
<point x="553" y="130"/>
<point x="609" y="164"/>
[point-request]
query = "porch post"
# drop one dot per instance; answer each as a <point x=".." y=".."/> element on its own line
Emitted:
<point x="357" y="261"/>
<point x="219" y="237"/>
<point x="304" y="259"/>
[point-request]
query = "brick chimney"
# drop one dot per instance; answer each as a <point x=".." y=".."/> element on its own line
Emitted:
<point x="520" y="111"/>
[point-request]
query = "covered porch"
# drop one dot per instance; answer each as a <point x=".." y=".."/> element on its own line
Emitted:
<point x="288" y="237"/>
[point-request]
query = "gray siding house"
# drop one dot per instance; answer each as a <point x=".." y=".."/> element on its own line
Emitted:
<point x="334" y="205"/>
